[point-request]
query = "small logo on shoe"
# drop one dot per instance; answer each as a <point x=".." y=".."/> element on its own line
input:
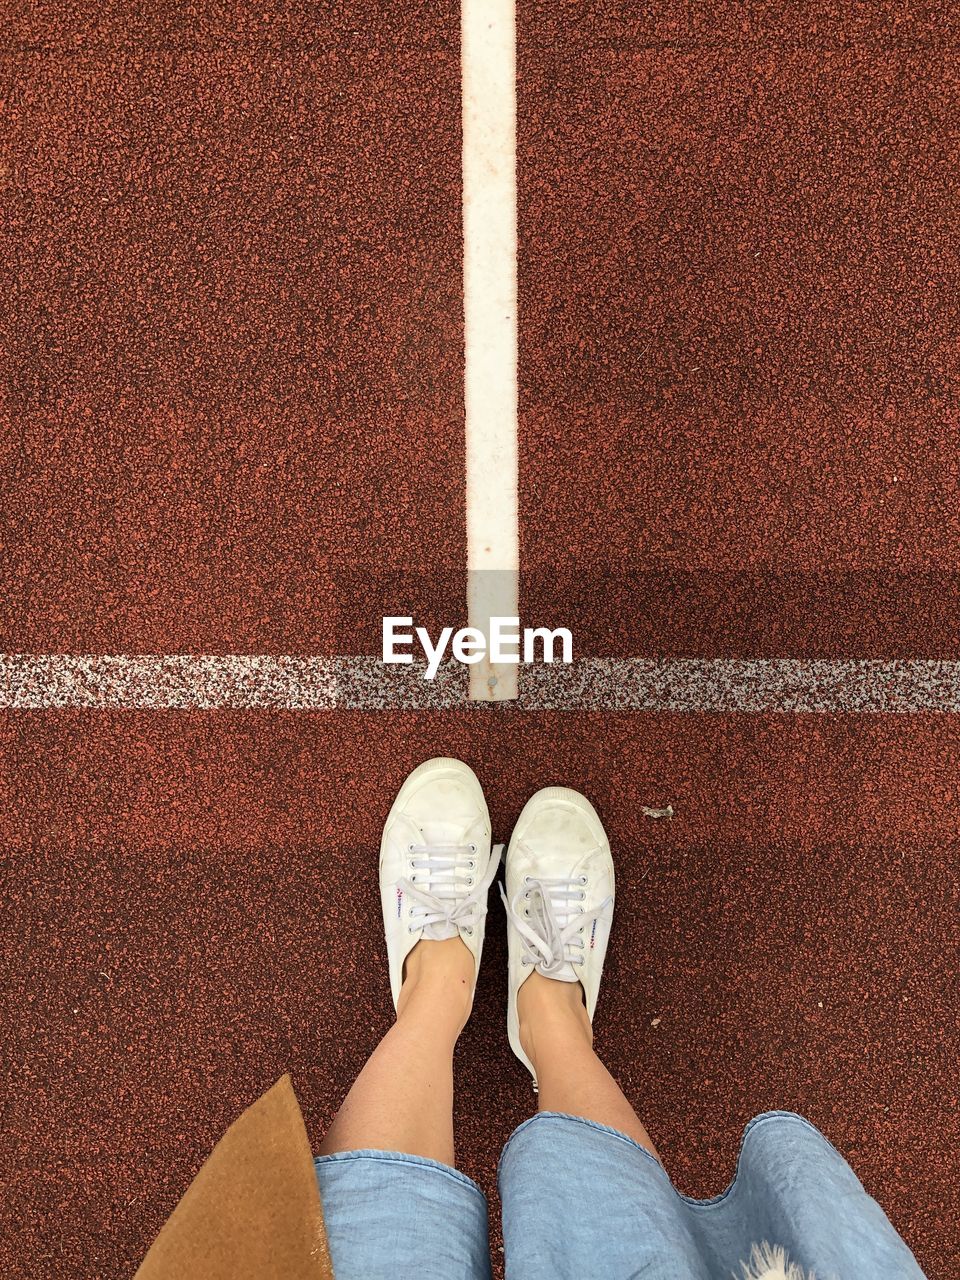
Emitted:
<point x="399" y="903"/>
<point x="593" y="935"/>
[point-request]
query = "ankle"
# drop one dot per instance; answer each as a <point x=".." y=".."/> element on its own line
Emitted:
<point x="438" y="979"/>
<point x="552" y="1015"/>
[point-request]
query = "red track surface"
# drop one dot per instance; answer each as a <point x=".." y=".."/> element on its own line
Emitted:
<point x="193" y="898"/>
<point x="235" y="331"/>
<point x="235" y="423"/>
<point x="739" y="291"/>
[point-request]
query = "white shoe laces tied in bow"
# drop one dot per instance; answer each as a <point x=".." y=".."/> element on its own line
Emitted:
<point x="551" y="922"/>
<point x="445" y="885"/>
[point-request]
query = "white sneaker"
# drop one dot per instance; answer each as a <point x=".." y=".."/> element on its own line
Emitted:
<point x="559" y="899"/>
<point x="436" y="864"/>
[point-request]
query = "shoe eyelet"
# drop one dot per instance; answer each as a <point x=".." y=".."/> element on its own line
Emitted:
<point x="526" y="911"/>
<point x="524" y="961"/>
<point x="582" y="879"/>
<point x="469" y="881"/>
<point x="411" y="848"/>
<point x="582" y="897"/>
<point x="472" y="864"/>
<point x="580" y="930"/>
<point x="468" y="929"/>
<point x="473" y="848"/>
<point x="526" y="879"/>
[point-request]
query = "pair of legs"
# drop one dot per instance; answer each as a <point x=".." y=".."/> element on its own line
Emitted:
<point x="392" y="1198"/>
<point x="402" y="1100"/>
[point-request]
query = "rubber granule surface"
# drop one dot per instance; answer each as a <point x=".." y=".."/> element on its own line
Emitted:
<point x="232" y="331"/>
<point x="233" y="423"/>
<point x="739" y="269"/>
<point x="194" y="911"/>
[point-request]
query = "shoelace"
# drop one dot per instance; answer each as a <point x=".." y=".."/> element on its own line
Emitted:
<point x="553" y="933"/>
<point x="441" y="874"/>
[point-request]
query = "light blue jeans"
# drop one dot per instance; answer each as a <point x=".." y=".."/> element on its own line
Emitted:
<point x="581" y="1200"/>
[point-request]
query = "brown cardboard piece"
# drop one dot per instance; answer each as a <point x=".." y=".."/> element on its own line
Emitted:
<point x="253" y="1211"/>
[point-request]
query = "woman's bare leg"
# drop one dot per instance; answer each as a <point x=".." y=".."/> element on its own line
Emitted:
<point x="557" y="1038"/>
<point x="402" y="1100"/>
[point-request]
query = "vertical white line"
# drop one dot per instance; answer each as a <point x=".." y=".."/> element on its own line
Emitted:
<point x="488" y="53"/>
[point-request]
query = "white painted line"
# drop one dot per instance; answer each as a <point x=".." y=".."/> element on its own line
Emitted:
<point x="744" y="685"/>
<point x="488" y="59"/>
<point x="210" y="682"/>
<point x="45" y="682"/>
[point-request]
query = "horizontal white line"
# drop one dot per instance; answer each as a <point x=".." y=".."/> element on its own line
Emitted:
<point x="214" y="681"/>
<point x="745" y="684"/>
<point x="289" y="682"/>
